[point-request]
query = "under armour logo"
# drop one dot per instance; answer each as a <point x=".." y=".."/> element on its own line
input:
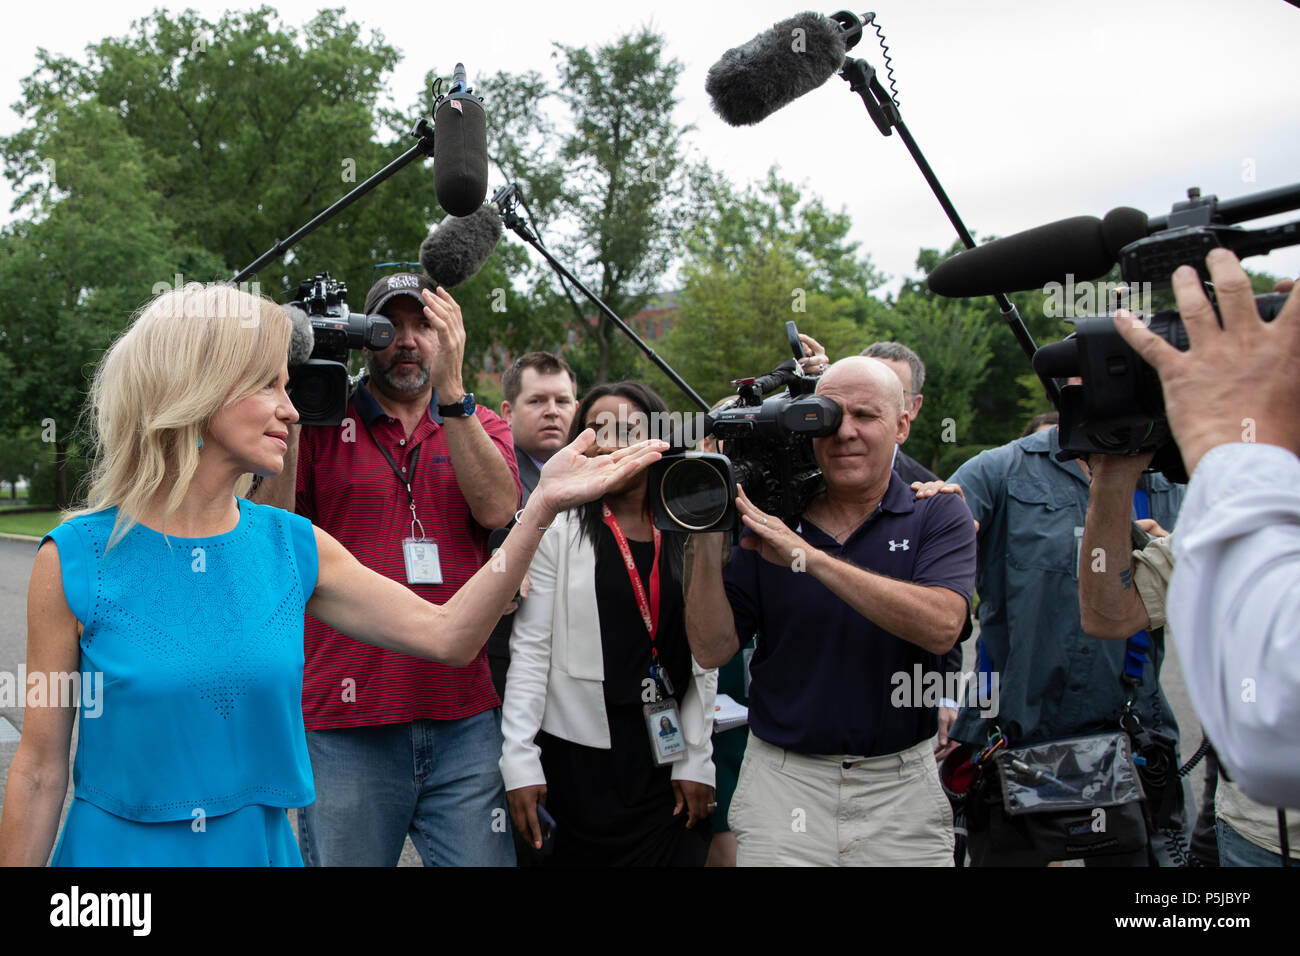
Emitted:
<point x="895" y="545"/>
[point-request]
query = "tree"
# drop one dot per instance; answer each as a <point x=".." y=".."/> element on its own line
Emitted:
<point x="19" y="453"/>
<point x="618" y="186"/>
<point x="762" y="257"/>
<point x="71" y="276"/>
<point x="185" y="149"/>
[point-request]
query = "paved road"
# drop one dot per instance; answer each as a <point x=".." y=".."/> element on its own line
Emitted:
<point x="15" y="570"/>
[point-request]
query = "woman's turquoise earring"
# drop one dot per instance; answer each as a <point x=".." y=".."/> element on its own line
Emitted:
<point x="200" y="443"/>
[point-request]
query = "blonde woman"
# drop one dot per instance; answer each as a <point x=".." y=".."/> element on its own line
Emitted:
<point x="186" y="603"/>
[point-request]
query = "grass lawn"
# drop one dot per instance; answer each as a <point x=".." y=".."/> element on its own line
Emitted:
<point x="33" y="522"/>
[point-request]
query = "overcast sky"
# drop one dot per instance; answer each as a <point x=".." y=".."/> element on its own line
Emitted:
<point x="1027" y="111"/>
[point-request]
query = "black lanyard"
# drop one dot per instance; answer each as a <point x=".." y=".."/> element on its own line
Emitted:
<point x="405" y="480"/>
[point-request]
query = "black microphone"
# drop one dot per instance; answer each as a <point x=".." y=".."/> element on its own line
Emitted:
<point x="459" y="247"/>
<point x="460" y="161"/>
<point x="1083" y="246"/>
<point x="751" y="82"/>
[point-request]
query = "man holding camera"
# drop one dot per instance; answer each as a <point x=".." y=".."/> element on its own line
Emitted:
<point x="859" y="600"/>
<point x="1126" y="593"/>
<point x="410" y="482"/>
<point x="1233" y="401"/>
<point x="1054" y="680"/>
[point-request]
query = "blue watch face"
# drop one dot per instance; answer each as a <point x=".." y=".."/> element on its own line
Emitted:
<point x="464" y="407"/>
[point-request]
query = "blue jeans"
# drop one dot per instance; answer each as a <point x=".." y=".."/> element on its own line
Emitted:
<point x="1236" y="850"/>
<point x="436" y="780"/>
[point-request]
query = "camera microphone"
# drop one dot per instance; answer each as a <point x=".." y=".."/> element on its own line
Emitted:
<point x="302" y="340"/>
<point x="1083" y="246"/>
<point x="751" y="82"/>
<point x="460" y="161"/>
<point x="460" y="246"/>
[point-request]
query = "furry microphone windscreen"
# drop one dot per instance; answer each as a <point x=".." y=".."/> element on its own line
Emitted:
<point x="753" y="81"/>
<point x="302" y="340"/>
<point x="459" y="247"/>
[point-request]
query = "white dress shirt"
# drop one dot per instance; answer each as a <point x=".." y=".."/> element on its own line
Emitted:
<point x="1234" y="613"/>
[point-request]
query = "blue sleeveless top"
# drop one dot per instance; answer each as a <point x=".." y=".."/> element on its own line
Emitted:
<point x="191" y="659"/>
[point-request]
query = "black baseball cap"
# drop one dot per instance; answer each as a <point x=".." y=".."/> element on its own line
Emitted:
<point x="399" y="283"/>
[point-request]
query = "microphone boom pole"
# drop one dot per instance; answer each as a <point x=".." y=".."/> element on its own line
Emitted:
<point x="505" y="198"/>
<point x="423" y="132"/>
<point x="861" y="77"/>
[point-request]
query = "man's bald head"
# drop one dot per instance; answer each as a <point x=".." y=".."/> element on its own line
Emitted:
<point x="858" y="369"/>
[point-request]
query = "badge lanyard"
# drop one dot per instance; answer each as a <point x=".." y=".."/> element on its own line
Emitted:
<point x="662" y="721"/>
<point x="649" y="608"/>
<point x="420" y="553"/>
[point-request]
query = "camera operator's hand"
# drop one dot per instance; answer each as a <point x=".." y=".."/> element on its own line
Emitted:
<point x="816" y="361"/>
<point x="771" y="538"/>
<point x="1122" y="469"/>
<point x="1235" y="383"/>
<point x="443" y="313"/>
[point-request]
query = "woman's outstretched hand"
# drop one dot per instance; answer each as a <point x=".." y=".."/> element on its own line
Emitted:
<point x="570" y="478"/>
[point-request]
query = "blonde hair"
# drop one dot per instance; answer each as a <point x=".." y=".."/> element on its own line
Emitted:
<point x="187" y="354"/>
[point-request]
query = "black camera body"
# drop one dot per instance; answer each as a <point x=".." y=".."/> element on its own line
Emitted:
<point x="319" y="387"/>
<point x="768" y="450"/>
<point x="1119" y="409"/>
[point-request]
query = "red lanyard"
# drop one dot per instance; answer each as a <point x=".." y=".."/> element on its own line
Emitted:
<point x="649" y="609"/>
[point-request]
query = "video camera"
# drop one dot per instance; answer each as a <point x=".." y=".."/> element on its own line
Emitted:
<point x="319" y="386"/>
<point x="768" y="450"/>
<point x="1119" y="409"/>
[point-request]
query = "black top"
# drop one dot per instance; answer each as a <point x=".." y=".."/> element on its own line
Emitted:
<point x="615" y="807"/>
<point x="623" y="637"/>
<point x="910" y="470"/>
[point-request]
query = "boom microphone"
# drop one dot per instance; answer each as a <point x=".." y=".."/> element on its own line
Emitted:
<point x="302" y="340"/>
<point x="459" y="247"/>
<point x="751" y="82"/>
<point x="460" y="161"/>
<point x="1084" y="246"/>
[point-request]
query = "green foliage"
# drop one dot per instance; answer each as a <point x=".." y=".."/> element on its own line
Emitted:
<point x="955" y="345"/>
<point x="19" y="453"/>
<point x="43" y="490"/>
<point x="613" y="177"/>
<point x="185" y="149"/>
<point x="760" y="258"/>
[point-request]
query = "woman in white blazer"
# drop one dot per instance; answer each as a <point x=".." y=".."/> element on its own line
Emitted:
<point x="583" y="667"/>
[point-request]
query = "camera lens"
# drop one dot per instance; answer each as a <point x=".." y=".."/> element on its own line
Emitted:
<point x="694" y="494"/>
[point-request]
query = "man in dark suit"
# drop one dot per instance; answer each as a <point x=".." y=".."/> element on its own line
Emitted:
<point x="909" y="368"/>
<point x="540" y="400"/>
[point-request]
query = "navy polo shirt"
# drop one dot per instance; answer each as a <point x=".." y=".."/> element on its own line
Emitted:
<point x="823" y="676"/>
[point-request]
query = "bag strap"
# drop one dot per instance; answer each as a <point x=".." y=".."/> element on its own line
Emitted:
<point x="1137" y="646"/>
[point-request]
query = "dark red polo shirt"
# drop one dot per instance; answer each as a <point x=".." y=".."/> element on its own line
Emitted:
<point x="346" y="487"/>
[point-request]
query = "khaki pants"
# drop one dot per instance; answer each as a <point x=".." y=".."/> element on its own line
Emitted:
<point x="793" y="809"/>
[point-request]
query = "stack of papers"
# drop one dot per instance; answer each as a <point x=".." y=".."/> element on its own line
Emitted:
<point x="728" y="714"/>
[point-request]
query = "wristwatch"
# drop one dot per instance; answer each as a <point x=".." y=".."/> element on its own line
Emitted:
<point x="462" y="409"/>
